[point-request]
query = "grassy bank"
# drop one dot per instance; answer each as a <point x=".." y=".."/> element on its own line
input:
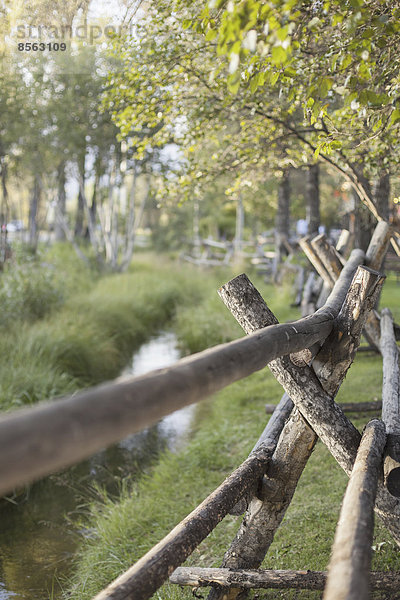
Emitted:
<point x="65" y="327"/>
<point x="224" y="431"/>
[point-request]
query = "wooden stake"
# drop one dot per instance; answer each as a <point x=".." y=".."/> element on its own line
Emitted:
<point x="344" y="243"/>
<point x="348" y="571"/>
<point x="391" y="402"/>
<point x="374" y="259"/>
<point x="307" y="303"/>
<point x="378" y="246"/>
<point x="269" y="436"/>
<point x="338" y="351"/>
<point x="328" y="255"/>
<point x="275" y="579"/>
<point x="315" y="260"/>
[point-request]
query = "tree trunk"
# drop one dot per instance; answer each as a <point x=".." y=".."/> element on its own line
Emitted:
<point x="312" y="199"/>
<point x="282" y="221"/>
<point x="381" y="193"/>
<point x="239" y="227"/>
<point x="364" y="223"/>
<point x="93" y="205"/>
<point x="4" y="205"/>
<point x="33" y="214"/>
<point x="81" y="203"/>
<point x="61" y="204"/>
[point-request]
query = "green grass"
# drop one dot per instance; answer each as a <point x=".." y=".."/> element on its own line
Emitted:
<point x="89" y="336"/>
<point x="224" y="431"/>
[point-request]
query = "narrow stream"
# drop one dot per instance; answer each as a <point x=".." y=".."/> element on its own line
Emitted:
<point x="38" y="534"/>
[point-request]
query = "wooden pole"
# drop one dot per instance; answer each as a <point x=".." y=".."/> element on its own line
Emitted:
<point x="327" y="254"/>
<point x="150" y="572"/>
<point x="268" y="578"/>
<point x="348" y="571"/>
<point x="270" y="435"/>
<point x="373" y="406"/>
<point x="391" y="402"/>
<point x="50" y="436"/>
<point x="339" y="349"/>
<point x="378" y="246"/>
<point x="344" y="243"/>
<point x="374" y="259"/>
<point x="305" y="245"/>
<point x="267" y="509"/>
<point x="307" y="303"/>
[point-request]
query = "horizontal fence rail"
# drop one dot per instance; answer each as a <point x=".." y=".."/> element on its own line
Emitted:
<point x="37" y="441"/>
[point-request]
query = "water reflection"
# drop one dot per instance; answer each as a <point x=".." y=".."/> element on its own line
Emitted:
<point x="38" y="537"/>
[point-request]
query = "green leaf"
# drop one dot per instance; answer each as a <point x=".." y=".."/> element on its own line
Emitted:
<point x="290" y="72"/>
<point x="233" y="82"/>
<point x="325" y="86"/>
<point x="395" y="116"/>
<point x="317" y="150"/>
<point x="279" y="55"/>
<point x="211" y="35"/>
<point x="346" y="62"/>
<point x="274" y="78"/>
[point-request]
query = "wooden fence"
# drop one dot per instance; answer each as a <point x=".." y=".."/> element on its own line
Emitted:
<point x="310" y="358"/>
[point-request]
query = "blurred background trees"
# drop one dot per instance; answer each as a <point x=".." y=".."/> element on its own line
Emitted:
<point x="207" y="120"/>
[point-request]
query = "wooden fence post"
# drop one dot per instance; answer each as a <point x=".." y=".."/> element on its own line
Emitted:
<point x="339" y="349"/>
<point x="328" y="255"/>
<point x="344" y="243"/>
<point x="315" y="260"/>
<point x="295" y="445"/>
<point x="391" y="403"/>
<point x="349" y="567"/>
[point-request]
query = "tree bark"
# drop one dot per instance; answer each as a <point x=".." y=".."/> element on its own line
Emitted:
<point x="312" y="200"/>
<point x="349" y="567"/>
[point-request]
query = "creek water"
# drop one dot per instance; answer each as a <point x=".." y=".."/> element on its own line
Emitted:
<point x="39" y="534"/>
